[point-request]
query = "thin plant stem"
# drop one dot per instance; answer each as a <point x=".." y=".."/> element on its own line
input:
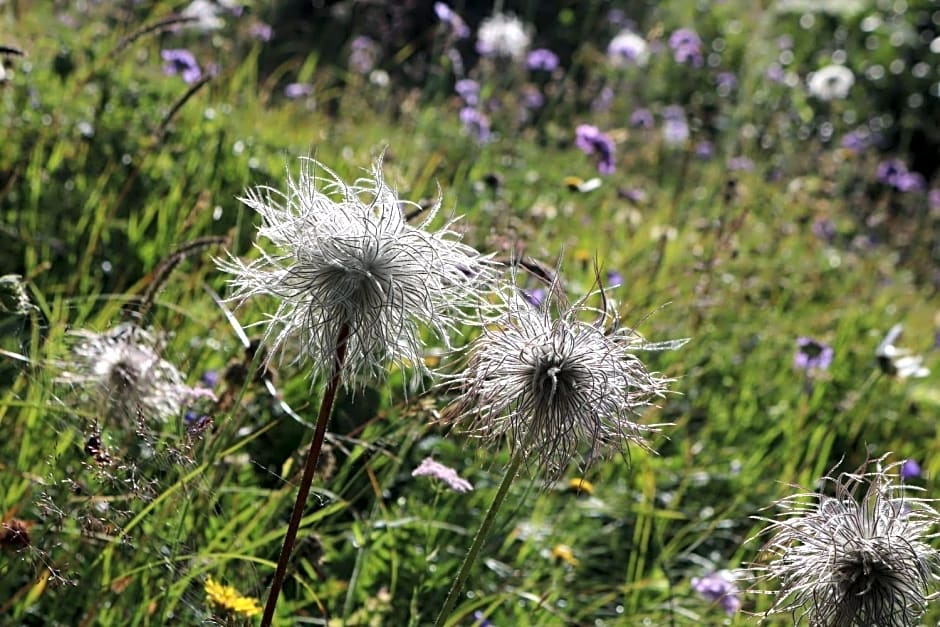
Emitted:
<point x="326" y="409"/>
<point x="481" y="535"/>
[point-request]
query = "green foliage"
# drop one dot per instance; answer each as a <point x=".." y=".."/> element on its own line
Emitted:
<point x="108" y="167"/>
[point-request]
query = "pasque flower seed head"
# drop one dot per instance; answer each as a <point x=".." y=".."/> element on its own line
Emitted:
<point x="555" y="384"/>
<point x="855" y="559"/>
<point x="346" y="258"/>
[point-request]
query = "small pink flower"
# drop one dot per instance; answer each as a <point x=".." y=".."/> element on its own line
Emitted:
<point x="431" y="468"/>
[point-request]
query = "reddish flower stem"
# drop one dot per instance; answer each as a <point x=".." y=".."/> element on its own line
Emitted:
<point x="326" y="408"/>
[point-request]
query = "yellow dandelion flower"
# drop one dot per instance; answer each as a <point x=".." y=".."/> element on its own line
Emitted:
<point x="581" y="486"/>
<point x="228" y="599"/>
<point x="563" y="552"/>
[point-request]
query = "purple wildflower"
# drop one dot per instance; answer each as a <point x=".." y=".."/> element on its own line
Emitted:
<point x="536" y="297"/>
<point x="642" y="118"/>
<point x="675" y="127"/>
<point x="542" y="59"/>
<point x="261" y="31"/>
<point x="824" y="229"/>
<point x="447" y="15"/>
<point x="686" y="47"/>
<point x="614" y="279"/>
<point x="636" y="195"/>
<point x="812" y="355"/>
<point x="603" y="100"/>
<point x="469" y="90"/>
<point x="476" y="123"/>
<point x="431" y="468"/>
<point x="298" y="90"/>
<point x="910" y="182"/>
<point x="210" y="378"/>
<point x="726" y="82"/>
<point x="628" y="48"/>
<point x="592" y="141"/>
<point x="855" y="141"/>
<point x="719" y="586"/>
<point x="363" y="54"/>
<point x="910" y="470"/>
<point x="181" y="61"/>
<point x="532" y="97"/>
<point x="776" y="74"/>
<point x="894" y="172"/>
<point x="705" y="149"/>
<point x="480" y="620"/>
<point x="933" y="198"/>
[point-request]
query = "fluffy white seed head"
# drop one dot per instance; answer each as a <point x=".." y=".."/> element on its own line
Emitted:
<point x="557" y="386"/>
<point x="123" y="374"/>
<point x="858" y="558"/>
<point x="344" y="256"/>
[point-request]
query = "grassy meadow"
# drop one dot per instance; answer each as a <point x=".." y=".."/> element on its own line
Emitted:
<point x="758" y="225"/>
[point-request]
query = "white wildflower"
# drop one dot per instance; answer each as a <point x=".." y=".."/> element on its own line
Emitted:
<point x="832" y="82"/>
<point x="502" y="35"/>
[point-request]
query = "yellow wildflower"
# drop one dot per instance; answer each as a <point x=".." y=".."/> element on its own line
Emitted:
<point x="227" y="598"/>
<point x="581" y="486"/>
<point x="563" y="552"/>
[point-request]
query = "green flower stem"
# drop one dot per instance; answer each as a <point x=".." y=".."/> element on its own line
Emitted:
<point x="326" y="408"/>
<point x="481" y="535"/>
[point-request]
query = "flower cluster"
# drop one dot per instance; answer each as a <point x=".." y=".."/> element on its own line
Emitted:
<point x="431" y="468"/>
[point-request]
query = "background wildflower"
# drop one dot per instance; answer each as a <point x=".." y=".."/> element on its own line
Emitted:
<point x="227" y="599"/>
<point x="476" y="123"/>
<point x="859" y="557"/>
<point x="502" y="35"/>
<point x="181" y="61"/>
<point x="448" y="16"/>
<point x="910" y="469"/>
<point x="628" y="48"/>
<point x="431" y="468"/>
<point x="542" y="59"/>
<point x="831" y="82"/>
<point x="896" y="361"/>
<point x="592" y="141"/>
<point x="812" y="355"/>
<point x="686" y="47"/>
<point x="719" y="587"/>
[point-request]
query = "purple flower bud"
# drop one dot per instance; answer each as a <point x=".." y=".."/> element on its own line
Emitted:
<point x="593" y="142"/>
<point x="910" y="470"/>
<point x="719" y="586"/>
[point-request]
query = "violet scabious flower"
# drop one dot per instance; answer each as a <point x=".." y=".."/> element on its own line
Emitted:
<point x="861" y="557"/>
<point x="181" y="61"/>
<point x="894" y="172"/>
<point x="831" y="82"/>
<point x="604" y="100"/>
<point x="719" y="587"/>
<point x="122" y="371"/>
<point x="347" y="263"/>
<point x="534" y="297"/>
<point x="910" y="470"/>
<point x="628" y="48"/>
<point x="704" y="149"/>
<point x="614" y="278"/>
<point x="261" y="31"/>
<point x="363" y="54"/>
<point x="933" y="198"/>
<point x="555" y="384"/>
<point x="298" y="90"/>
<point x="542" y="59"/>
<point x="476" y="123"/>
<point x="431" y="468"/>
<point x="532" y="97"/>
<point x="449" y="17"/>
<point x="812" y="355"/>
<point x="592" y="141"/>
<point x="642" y="118"/>
<point x="469" y="90"/>
<point x="502" y="35"/>
<point x="675" y="128"/>
<point x="686" y="47"/>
